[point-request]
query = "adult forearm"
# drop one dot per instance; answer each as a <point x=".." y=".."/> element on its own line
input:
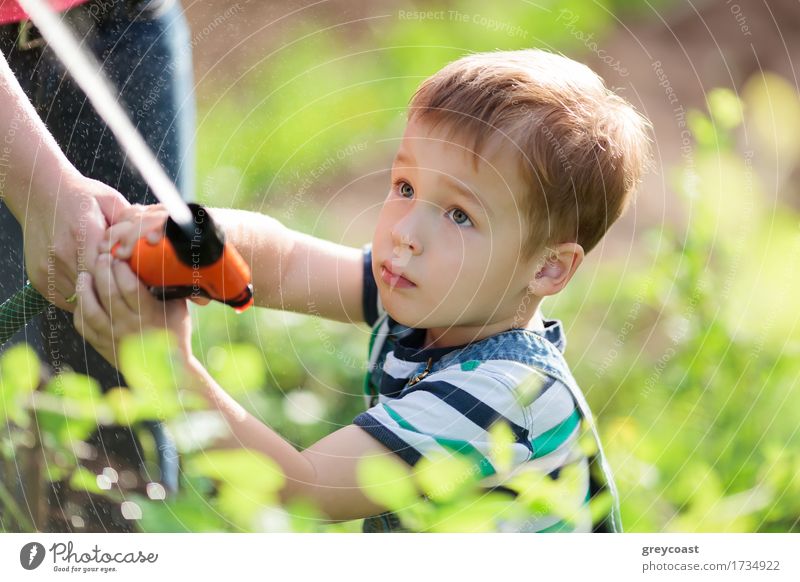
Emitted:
<point x="31" y="164"/>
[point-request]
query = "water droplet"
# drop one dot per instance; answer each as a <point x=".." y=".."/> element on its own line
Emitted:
<point x="111" y="474"/>
<point x="77" y="521"/>
<point x="156" y="491"/>
<point x="131" y="510"/>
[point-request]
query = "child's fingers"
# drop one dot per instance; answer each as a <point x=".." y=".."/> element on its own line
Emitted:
<point x="148" y="224"/>
<point x="121" y="233"/>
<point x="133" y="211"/>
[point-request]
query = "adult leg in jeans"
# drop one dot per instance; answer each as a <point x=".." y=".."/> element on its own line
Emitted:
<point x="145" y="51"/>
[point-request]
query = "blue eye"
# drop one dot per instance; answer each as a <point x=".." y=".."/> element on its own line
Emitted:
<point x="460" y="217"/>
<point x="406" y="189"/>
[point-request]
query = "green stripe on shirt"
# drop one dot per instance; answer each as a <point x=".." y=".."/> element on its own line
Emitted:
<point x="458" y="446"/>
<point x="550" y="440"/>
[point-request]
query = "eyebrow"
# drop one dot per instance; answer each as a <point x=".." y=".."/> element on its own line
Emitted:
<point x="465" y="192"/>
<point x="405" y="158"/>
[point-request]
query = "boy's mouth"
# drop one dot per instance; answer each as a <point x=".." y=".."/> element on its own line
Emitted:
<point x="393" y="279"/>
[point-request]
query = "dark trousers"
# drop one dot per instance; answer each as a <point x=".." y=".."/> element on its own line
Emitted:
<point x="145" y="48"/>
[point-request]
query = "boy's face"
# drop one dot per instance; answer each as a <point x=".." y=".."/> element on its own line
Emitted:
<point x="454" y="232"/>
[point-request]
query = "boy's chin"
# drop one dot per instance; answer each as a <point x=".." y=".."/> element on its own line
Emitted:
<point x="417" y="320"/>
<point x="402" y="317"/>
<point x="405" y="316"/>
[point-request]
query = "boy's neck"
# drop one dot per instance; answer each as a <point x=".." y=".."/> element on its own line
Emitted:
<point x="456" y="336"/>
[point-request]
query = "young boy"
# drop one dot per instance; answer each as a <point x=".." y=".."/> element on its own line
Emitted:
<point x="512" y="166"/>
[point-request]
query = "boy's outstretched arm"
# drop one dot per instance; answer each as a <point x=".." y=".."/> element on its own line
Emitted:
<point x="291" y="270"/>
<point x="295" y="271"/>
<point x="325" y="473"/>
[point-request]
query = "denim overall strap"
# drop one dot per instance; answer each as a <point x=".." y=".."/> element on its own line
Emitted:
<point x="560" y="371"/>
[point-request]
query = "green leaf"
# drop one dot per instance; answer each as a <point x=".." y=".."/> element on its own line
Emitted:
<point x="63" y="429"/>
<point x="725" y="107"/>
<point x="444" y="477"/>
<point x="237" y="367"/>
<point x="244" y="468"/>
<point x="151" y="365"/>
<point x="387" y="482"/>
<point x="191" y="511"/>
<point x="74" y="386"/>
<point x="20" y="370"/>
<point x="54" y="472"/>
<point x="305" y="516"/>
<point x="74" y="396"/>
<point x="20" y="373"/>
<point x="123" y="405"/>
<point x="502" y="440"/>
<point x="243" y="505"/>
<point x="702" y="128"/>
<point x="529" y="389"/>
<point x="84" y="480"/>
<point x="538" y="492"/>
<point x="600" y="506"/>
<point x="469" y="515"/>
<point x="70" y="407"/>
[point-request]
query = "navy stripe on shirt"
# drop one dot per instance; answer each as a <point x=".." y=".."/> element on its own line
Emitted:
<point x="475" y="410"/>
<point x="369" y="295"/>
<point x="389" y="439"/>
<point x="391" y="386"/>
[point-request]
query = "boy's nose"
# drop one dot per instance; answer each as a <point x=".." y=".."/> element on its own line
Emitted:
<point x="405" y="243"/>
<point x="406" y="235"/>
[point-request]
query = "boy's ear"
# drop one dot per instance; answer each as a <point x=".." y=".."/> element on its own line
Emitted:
<point x="555" y="267"/>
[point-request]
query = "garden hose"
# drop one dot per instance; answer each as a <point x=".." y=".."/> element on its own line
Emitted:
<point x="18" y="310"/>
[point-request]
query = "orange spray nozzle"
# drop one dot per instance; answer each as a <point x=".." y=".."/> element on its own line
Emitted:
<point x="200" y="265"/>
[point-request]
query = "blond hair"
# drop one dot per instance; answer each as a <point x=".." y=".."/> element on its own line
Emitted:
<point x="583" y="148"/>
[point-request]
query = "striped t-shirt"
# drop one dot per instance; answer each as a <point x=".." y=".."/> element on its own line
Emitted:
<point x="463" y="391"/>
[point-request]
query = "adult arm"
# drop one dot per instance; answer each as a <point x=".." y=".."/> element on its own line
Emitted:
<point x="63" y="214"/>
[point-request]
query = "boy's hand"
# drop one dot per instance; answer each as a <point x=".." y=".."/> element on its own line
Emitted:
<point x="137" y="221"/>
<point x="113" y="303"/>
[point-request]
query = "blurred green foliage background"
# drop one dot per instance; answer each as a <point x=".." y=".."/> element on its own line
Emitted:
<point x="683" y="330"/>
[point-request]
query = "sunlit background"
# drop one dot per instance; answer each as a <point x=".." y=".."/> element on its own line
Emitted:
<point x="682" y="325"/>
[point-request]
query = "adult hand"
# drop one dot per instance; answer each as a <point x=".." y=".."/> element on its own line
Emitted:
<point x="63" y="231"/>
<point x="114" y="303"/>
